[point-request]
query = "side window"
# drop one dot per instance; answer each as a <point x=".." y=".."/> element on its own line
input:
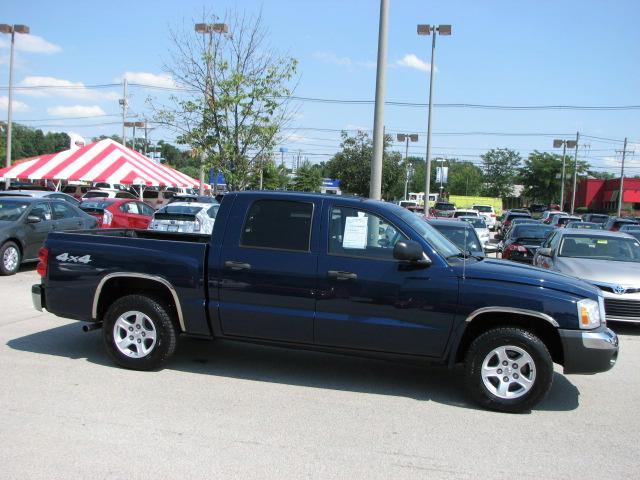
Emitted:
<point x="278" y="224"/>
<point x="553" y="241"/>
<point x="60" y="211"/>
<point x="145" y="209"/>
<point x="130" y="207"/>
<point x="355" y="232"/>
<point x="42" y="211"/>
<point x="150" y="194"/>
<point x="213" y="211"/>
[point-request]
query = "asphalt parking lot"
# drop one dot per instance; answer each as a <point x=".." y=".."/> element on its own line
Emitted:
<point x="224" y="410"/>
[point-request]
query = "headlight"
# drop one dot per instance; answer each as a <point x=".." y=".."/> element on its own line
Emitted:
<point x="590" y="313"/>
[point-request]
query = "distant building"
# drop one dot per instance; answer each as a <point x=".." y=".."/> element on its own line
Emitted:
<point x="596" y="194"/>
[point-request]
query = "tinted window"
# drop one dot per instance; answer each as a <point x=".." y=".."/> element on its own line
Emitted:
<point x="102" y="185"/>
<point x="96" y="195"/>
<point x="124" y="195"/>
<point x="464" y="238"/>
<point x="445" y="206"/>
<point x="278" y="224"/>
<point x="531" y="231"/>
<point x="213" y="211"/>
<point x="12" y="210"/>
<point x="482" y="208"/>
<point x="60" y="210"/>
<point x="355" y="232"/>
<point x="150" y="194"/>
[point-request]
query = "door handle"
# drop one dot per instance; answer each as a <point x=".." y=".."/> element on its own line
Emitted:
<point x="237" y="265"/>
<point x="337" y="275"/>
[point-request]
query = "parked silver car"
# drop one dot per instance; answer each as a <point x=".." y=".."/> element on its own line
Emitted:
<point x="608" y="260"/>
<point x="185" y="217"/>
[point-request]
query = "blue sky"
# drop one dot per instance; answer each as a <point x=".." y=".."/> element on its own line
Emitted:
<point x="501" y="53"/>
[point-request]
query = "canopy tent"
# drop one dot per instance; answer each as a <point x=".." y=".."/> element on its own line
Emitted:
<point x="104" y="161"/>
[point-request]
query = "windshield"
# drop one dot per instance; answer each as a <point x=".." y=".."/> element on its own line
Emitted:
<point x="445" y="206"/>
<point x="443" y="246"/>
<point x="482" y="208"/>
<point x="96" y="195"/>
<point x="617" y="249"/>
<point x="531" y="231"/>
<point x="12" y="210"/>
<point x="463" y="237"/>
<point x="476" y="222"/>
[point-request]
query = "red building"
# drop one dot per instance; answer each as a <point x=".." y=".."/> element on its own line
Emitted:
<point x="602" y="195"/>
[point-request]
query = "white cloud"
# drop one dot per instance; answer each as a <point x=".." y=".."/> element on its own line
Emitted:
<point x="32" y="44"/>
<point x="76" y="111"/>
<point x="163" y="80"/>
<point x="329" y="57"/>
<point x="17" y="105"/>
<point x="57" y="87"/>
<point x="351" y="126"/>
<point x="411" y="60"/>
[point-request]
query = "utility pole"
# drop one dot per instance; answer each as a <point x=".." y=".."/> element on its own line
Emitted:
<point x="405" y="137"/>
<point x="575" y="173"/>
<point x="124" y="102"/>
<point x="620" y="195"/>
<point x="375" y="185"/>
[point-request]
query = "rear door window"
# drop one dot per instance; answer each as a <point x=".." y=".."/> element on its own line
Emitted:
<point x="278" y="224"/>
<point x="60" y="211"/>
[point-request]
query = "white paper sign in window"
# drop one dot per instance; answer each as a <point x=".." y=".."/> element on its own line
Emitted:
<point x="355" y="233"/>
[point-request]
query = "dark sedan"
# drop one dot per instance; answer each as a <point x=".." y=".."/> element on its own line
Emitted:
<point x="461" y="234"/>
<point x="523" y="241"/>
<point x="25" y="223"/>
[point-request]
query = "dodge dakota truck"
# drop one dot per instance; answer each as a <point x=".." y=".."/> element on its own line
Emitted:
<point x="337" y="274"/>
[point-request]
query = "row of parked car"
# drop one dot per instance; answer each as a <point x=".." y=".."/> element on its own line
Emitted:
<point x="28" y="216"/>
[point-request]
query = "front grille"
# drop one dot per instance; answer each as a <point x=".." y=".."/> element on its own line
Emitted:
<point x="622" y="308"/>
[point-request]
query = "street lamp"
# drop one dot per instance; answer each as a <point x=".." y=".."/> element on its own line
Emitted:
<point x="209" y="29"/>
<point x="405" y="137"/>
<point x="134" y="125"/>
<point x="11" y="29"/>
<point x="557" y="143"/>
<point x="428" y="30"/>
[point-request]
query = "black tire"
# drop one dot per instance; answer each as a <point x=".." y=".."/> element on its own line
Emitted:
<point x="9" y="247"/>
<point x="517" y="338"/>
<point x="163" y="326"/>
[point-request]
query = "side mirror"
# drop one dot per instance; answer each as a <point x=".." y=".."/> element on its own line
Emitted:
<point x="410" y="251"/>
<point x="545" y="252"/>
<point x="33" y="219"/>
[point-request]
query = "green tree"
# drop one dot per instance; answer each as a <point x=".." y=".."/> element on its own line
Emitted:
<point x="274" y="177"/>
<point x="465" y="178"/>
<point x="235" y="100"/>
<point x="541" y="176"/>
<point x="28" y="142"/>
<point x="500" y="171"/>
<point x="352" y="166"/>
<point x="308" y="178"/>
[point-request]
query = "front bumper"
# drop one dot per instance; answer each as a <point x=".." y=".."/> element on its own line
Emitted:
<point x="37" y="297"/>
<point x="589" y="351"/>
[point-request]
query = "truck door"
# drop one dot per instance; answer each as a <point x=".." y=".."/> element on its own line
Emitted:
<point x="368" y="300"/>
<point x="268" y="267"/>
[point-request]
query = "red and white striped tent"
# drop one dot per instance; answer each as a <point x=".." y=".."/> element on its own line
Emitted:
<point x="103" y="161"/>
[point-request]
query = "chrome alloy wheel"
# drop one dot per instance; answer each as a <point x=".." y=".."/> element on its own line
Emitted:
<point x="10" y="259"/>
<point x="134" y="334"/>
<point x="508" y="372"/>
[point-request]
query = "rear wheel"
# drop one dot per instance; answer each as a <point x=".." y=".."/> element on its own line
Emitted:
<point x="139" y="332"/>
<point x="10" y="258"/>
<point x="508" y="369"/>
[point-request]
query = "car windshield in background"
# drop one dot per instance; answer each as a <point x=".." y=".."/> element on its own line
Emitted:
<point x="564" y="220"/>
<point x="445" y="206"/>
<point x="442" y="245"/>
<point x="475" y="222"/>
<point x="463" y="237"/>
<point x="94" y="205"/>
<point x="11" y="210"/>
<point x="531" y="231"/>
<point x="511" y="216"/>
<point x="587" y="225"/>
<point x="179" y="210"/>
<point x="482" y="208"/>
<point x="618" y="249"/>
<point x="96" y="195"/>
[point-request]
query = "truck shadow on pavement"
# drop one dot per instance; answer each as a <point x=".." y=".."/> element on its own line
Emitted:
<point x="292" y="367"/>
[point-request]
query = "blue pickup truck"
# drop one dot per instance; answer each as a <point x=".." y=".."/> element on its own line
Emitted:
<point x="337" y="274"/>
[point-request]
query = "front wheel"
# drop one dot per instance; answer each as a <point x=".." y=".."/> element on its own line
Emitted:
<point x="139" y="332"/>
<point x="508" y="369"/>
<point x="10" y="258"/>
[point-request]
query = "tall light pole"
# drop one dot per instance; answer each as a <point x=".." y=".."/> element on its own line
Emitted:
<point x="575" y="173"/>
<point x="134" y="125"/>
<point x="375" y="182"/>
<point x="564" y="144"/>
<point x="624" y="152"/>
<point x="405" y="137"/>
<point x="209" y="99"/>
<point x="428" y="30"/>
<point x="12" y="30"/>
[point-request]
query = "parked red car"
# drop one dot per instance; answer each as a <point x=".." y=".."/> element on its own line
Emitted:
<point x="119" y="212"/>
